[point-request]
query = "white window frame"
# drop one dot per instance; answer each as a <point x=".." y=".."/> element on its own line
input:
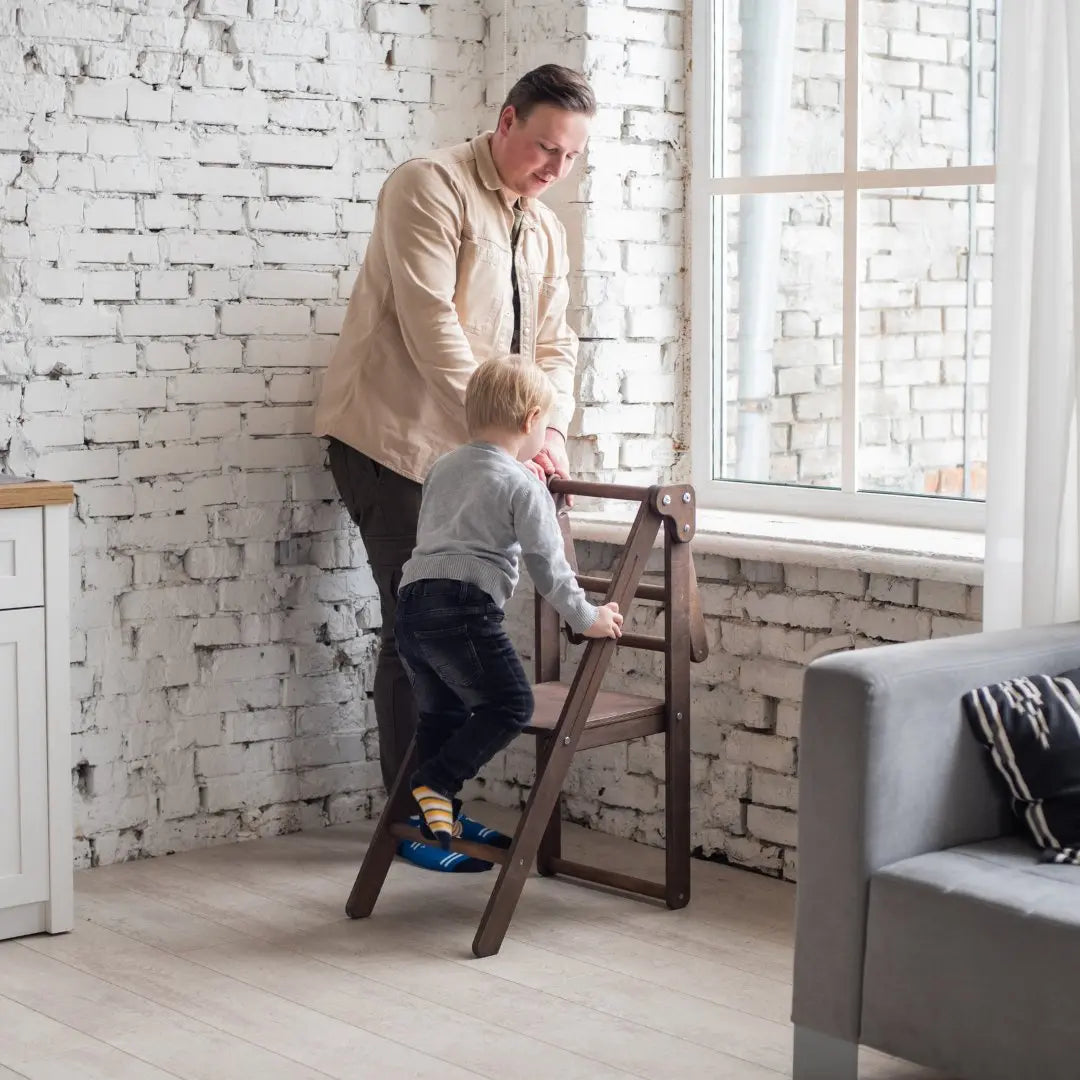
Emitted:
<point x="846" y="502"/>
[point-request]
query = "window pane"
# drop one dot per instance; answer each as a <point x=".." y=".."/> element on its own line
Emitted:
<point x="778" y="271"/>
<point x="924" y="352"/>
<point x="918" y="106"/>
<point x="779" y="86"/>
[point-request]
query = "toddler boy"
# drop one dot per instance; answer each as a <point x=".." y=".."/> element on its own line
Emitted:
<point x="481" y="510"/>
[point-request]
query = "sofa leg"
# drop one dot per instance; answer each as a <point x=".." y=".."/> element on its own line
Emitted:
<point x="824" y="1057"/>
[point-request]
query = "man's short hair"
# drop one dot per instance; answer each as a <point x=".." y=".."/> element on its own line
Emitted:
<point x="552" y="85"/>
<point x="502" y="392"/>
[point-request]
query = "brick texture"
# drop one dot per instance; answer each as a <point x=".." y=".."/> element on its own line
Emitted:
<point x="189" y="190"/>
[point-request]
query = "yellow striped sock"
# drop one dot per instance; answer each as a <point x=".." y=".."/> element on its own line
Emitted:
<point x="438" y="813"/>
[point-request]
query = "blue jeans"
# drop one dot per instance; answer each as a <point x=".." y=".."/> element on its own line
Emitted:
<point x="472" y="694"/>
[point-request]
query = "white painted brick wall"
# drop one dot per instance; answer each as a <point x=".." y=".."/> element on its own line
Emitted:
<point x="621" y="207"/>
<point x="180" y="227"/>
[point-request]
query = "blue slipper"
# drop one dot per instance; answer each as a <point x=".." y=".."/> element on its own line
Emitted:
<point x="465" y="829"/>
<point x="452" y="862"/>
<point x="433" y="858"/>
<point x="481" y="834"/>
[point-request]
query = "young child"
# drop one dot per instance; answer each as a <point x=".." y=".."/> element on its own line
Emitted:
<point x="481" y="509"/>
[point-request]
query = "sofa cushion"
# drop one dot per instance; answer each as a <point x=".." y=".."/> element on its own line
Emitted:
<point x="972" y="962"/>
<point x="1031" y="727"/>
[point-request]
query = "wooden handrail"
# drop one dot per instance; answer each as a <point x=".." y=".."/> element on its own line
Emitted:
<point x="681" y="497"/>
<point x="624" y="492"/>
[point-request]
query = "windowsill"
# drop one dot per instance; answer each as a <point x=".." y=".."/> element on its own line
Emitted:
<point x="899" y="550"/>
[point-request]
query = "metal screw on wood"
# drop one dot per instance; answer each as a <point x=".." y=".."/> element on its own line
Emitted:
<point x="686" y="528"/>
<point x="666" y="499"/>
<point x="686" y="496"/>
<point x="566" y="741"/>
<point x="678" y="716"/>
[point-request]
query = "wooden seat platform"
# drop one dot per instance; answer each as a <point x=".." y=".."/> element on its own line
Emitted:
<point x="614" y="717"/>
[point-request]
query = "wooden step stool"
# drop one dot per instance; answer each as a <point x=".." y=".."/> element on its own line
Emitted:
<point x="580" y="716"/>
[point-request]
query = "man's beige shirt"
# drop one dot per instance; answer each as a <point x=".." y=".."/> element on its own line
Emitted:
<point x="434" y="299"/>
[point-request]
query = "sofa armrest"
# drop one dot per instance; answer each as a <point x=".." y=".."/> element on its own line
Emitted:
<point x="887" y="770"/>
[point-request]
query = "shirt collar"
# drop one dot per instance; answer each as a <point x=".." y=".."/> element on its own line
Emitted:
<point x="489" y="175"/>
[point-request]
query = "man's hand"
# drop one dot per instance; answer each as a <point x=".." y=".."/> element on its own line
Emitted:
<point x="552" y="460"/>
<point x="537" y="469"/>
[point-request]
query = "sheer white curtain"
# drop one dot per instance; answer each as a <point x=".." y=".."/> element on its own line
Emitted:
<point x="1032" y="571"/>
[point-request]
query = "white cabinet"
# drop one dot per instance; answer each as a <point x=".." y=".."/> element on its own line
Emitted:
<point x="35" y="711"/>
<point x="24" y="760"/>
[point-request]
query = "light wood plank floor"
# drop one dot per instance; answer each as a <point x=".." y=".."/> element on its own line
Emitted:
<point x="238" y="963"/>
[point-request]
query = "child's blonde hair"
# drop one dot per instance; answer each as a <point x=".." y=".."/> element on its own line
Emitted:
<point x="502" y="392"/>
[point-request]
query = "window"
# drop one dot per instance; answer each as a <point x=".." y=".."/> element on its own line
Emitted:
<point x="843" y="178"/>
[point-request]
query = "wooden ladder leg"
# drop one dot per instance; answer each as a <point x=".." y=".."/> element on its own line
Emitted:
<point x="678" y="568"/>
<point x="380" y="852"/>
<point x="543" y="799"/>
<point x="562" y="745"/>
<point x="677" y="814"/>
<point x="547" y="662"/>
<point x="551" y="842"/>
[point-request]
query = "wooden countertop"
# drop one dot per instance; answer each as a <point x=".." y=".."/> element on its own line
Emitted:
<point x="35" y="493"/>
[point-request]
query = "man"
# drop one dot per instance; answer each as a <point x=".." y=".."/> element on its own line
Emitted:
<point x="464" y="264"/>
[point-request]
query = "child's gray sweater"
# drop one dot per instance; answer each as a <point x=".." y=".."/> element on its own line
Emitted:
<point x="481" y="510"/>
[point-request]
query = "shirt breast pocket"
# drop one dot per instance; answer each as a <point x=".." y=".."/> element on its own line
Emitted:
<point x="483" y="284"/>
<point x="545" y="289"/>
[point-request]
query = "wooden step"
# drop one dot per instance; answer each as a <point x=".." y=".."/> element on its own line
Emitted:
<point x="615" y="717"/>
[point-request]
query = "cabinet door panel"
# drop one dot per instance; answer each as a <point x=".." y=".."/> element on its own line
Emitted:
<point x="24" y="791"/>
<point x="21" y="570"/>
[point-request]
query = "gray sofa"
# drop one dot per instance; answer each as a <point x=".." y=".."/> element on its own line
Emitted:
<point x="926" y="927"/>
